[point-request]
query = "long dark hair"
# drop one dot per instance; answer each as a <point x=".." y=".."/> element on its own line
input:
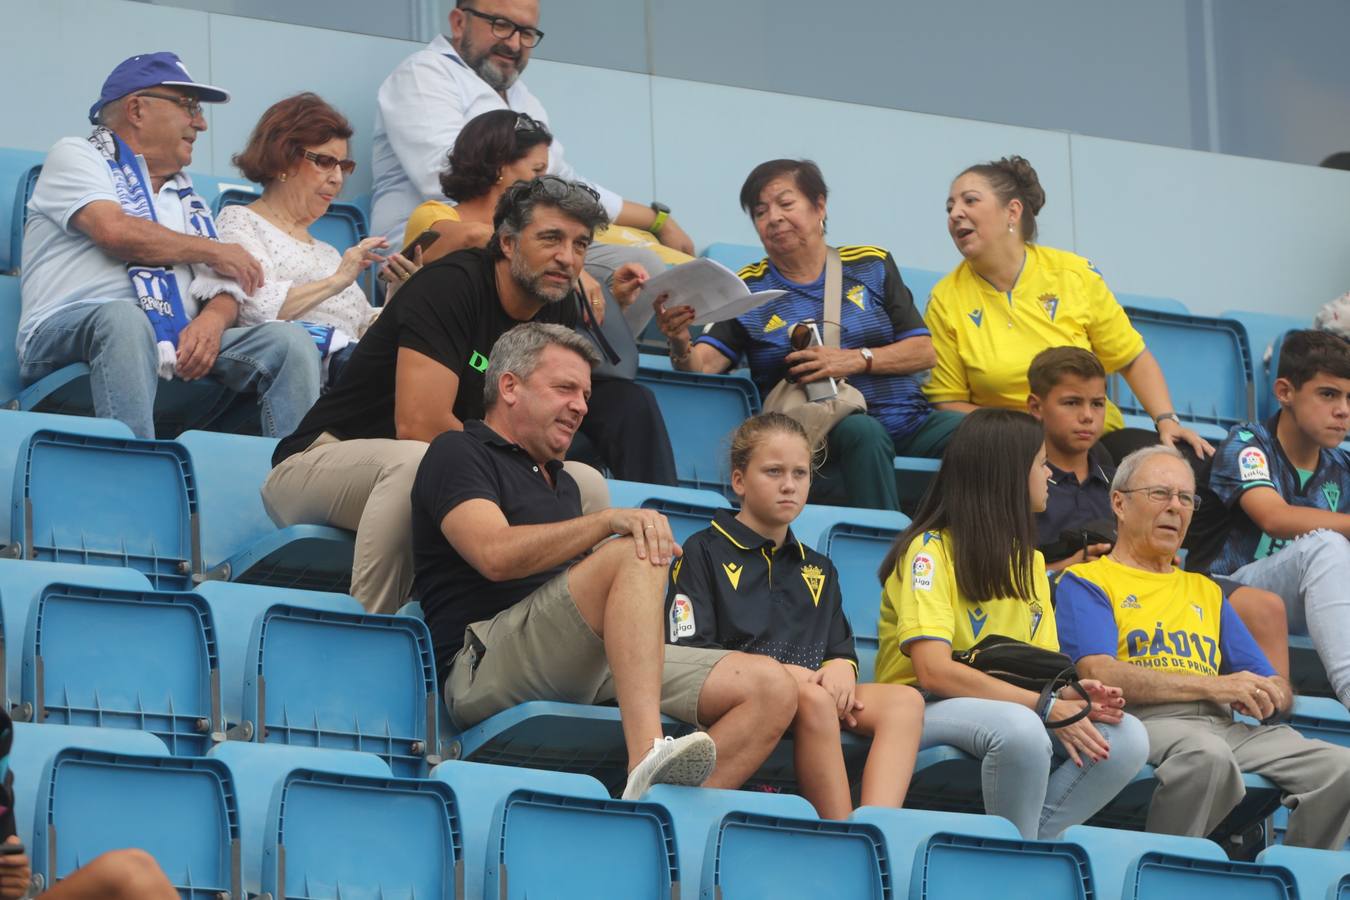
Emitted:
<point x="488" y="142"/>
<point x="980" y="497"/>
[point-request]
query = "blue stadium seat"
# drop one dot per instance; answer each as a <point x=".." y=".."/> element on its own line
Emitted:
<point x="698" y="811"/>
<point x="701" y="412"/>
<point x="756" y="855"/>
<point x="18" y="427"/>
<point x="32" y="752"/>
<point x="944" y="855"/>
<point x="235" y="609"/>
<point x="1164" y="875"/>
<point x="1207" y="363"/>
<point x="334" y="823"/>
<point x="481" y="789"/>
<point x="1264" y="329"/>
<point x="687" y="509"/>
<point x="1154" y="304"/>
<point x="140" y="660"/>
<point x="1321" y="719"/>
<point x="921" y="283"/>
<point x="239" y="542"/>
<point x="106" y="501"/>
<point x="734" y="256"/>
<point x="1113" y="852"/>
<point x="179" y="810"/>
<point x="18" y="173"/>
<point x="21" y="583"/>
<point x="345" y="681"/>
<point x="1318" y="873"/>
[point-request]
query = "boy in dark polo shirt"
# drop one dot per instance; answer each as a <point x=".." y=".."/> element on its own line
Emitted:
<point x="520" y="609"/>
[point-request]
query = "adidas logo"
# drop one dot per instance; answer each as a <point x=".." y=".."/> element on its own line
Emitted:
<point x="774" y="324"/>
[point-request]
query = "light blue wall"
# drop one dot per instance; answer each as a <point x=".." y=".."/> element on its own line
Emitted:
<point x="1217" y="232"/>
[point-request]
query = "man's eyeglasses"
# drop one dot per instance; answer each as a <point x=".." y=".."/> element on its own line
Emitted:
<point x="528" y="124"/>
<point x="326" y="162"/>
<point x="503" y="28"/>
<point x="192" y="105"/>
<point x="1161" y="494"/>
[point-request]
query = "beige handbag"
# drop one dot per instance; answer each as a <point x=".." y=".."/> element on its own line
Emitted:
<point x="791" y="399"/>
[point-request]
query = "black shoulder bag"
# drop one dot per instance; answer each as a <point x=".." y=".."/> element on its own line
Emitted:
<point x="1029" y="667"/>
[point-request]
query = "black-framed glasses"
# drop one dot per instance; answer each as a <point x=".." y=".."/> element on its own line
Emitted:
<point x="191" y="105"/>
<point x="503" y="28"/>
<point x="326" y="161"/>
<point x="1160" y="494"/>
<point x="528" y="124"/>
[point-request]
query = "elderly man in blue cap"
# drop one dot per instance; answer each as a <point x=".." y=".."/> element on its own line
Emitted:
<point x="122" y="269"/>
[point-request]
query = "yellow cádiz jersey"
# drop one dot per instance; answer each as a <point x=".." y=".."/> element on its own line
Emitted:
<point x="426" y="215"/>
<point x="985" y="339"/>
<point x="1174" y="622"/>
<point x="920" y="600"/>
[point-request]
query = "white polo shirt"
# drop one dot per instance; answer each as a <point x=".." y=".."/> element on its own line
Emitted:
<point x="61" y="266"/>
<point x="419" y="111"/>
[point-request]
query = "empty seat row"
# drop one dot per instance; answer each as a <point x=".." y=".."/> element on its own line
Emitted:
<point x="309" y="823"/>
<point x="92" y="647"/>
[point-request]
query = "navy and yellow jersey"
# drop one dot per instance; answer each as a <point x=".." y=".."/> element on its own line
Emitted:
<point x="877" y="309"/>
<point x="1251" y="457"/>
<point x="1175" y="622"/>
<point x="921" y="601"/>
<point x="732" y="590"/>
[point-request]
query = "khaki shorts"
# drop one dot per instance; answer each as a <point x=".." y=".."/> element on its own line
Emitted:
<point x="542" y="649"/>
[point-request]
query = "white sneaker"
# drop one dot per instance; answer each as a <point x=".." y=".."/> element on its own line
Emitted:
<point x="688" y="760"/>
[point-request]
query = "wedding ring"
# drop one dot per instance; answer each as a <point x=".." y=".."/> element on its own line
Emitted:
<point x="645" y="527"/>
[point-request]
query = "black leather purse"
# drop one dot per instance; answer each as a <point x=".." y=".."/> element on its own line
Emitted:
<point x="1029" y="667"/>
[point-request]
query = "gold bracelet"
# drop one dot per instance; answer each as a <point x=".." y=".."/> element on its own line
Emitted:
<point x="688" y="352"/>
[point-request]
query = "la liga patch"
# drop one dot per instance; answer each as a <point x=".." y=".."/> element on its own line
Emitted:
<point x="681" y="618"/>
<point x="921" y="572"/>
<point x="1252" y="465"/>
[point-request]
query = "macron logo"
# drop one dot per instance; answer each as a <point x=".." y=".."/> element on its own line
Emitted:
<point x="976" y="316"/>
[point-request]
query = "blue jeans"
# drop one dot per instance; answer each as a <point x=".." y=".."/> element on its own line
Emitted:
<point x="1310" y="575"/>
<point x="275" y="360"/>
<point x="1025" y="774"/>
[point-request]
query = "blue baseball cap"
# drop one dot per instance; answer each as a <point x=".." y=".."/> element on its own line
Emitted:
<point x="148" y="70"/>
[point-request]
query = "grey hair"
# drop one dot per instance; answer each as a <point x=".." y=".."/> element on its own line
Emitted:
<point x="518" y="351"/>
<point x="515" y="207"/>
<point x="1130" y="464"/>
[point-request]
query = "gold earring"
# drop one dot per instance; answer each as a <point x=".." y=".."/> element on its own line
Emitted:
<point x="283" y="176"/>
<point x="1011" y="229"/>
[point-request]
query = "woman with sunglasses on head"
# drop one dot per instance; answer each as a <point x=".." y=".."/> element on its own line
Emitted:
<point x="966" y="569"/>
<point x="883" y="342"/>
<point x="1012" y="297"/>
<point x="298" y="153"/>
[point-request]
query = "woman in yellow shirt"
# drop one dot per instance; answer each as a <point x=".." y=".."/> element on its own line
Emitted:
<point x="1011" y="298"/>
<point x="965" y="569"/>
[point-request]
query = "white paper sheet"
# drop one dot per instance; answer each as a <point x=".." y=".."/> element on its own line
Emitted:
<point x="709" y="287"/>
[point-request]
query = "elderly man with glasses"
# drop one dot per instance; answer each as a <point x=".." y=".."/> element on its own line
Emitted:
<point x="121" y="258"/>
<point x="1186" y="663"/>
<point x="432" y="94"/>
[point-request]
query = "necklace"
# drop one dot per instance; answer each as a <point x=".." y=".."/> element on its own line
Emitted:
<point x="294" y="230"/>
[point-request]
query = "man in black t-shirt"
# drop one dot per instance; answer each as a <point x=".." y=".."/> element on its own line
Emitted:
<point x="418" y="371"/>
<point x="520" y="608"/>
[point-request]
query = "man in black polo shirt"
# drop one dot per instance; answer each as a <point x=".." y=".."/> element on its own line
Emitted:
<point x="518" y="611"/>
<point x="418" y="371"/>
<point x="1068" y="396"/>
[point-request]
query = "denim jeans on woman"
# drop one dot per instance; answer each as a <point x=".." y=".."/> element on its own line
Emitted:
<point x="1026" y="776"/>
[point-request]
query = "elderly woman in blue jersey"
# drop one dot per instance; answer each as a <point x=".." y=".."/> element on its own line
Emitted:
<point x="968" y="568"/>
<point x="883" y="342"/>
<point x="747" y="583"/>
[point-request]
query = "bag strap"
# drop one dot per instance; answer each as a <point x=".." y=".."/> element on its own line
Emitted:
<point x="1067" y="678"/>
<point x="834" y="297"/>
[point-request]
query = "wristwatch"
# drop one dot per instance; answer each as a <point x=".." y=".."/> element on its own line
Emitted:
<point x="867" y="358"/>
<point x="662" y="213"/>
<point x="1158" y="420"/>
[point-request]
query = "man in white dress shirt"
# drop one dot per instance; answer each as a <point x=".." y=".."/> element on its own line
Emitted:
<point x="430" y="96"/>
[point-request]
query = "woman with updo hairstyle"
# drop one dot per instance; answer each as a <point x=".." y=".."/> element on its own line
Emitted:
<point x="298" y="152"/>
<point x="1011" y="298"/>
